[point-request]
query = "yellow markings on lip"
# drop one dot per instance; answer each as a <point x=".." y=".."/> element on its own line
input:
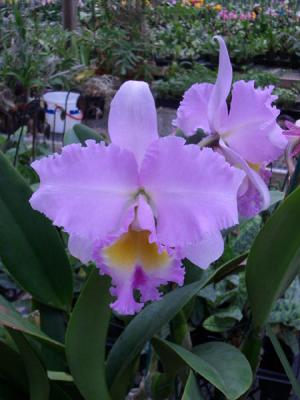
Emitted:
<point x="255" y="167"/>
<point x="132" y="249"/>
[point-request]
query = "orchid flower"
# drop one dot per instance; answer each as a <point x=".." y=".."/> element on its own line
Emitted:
<point x="139" y="205"/>
<point x="248" y="135"/>
<point x="293" y="132"/>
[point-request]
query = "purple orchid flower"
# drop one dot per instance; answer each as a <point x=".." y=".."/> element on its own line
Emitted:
<point x="293" y="132"/>
<point x="248" y="135"/>
<point x="139" y="205"/>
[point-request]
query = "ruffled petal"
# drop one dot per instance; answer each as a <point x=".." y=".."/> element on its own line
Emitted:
<point x="80" y="248"/>
<point x="254" y="195"/>
<point x="217" y="108"/>
<point x="123" y="290"/>
<point x="192" y="192"/>
<point x="192" y="113"/>
<point x="87" y="190"/>
<point x="252" y="130"/>
<point x="137" y="269"/>
<point x="149" y="283"/>
<point x="132" y="122"/>
<point x="208" y="250"/>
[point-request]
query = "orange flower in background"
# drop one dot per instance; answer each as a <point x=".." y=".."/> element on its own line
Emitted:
<point x="218" y="7"/>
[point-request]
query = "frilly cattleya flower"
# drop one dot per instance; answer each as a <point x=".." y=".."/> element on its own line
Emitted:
<point x="293" y="132"/>
<point x="248" y="135"/>
<point x="139" y="205"/>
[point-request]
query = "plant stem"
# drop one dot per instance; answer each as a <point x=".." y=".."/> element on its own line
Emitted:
<point x="252" y="348"/>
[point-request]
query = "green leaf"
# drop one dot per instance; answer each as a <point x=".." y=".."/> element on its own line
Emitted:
<point x="39" y="385"/>
<point x="223" y="365"/>
<point x="79" y="134"/>
<point x="223" y="319"/>
<point x="161" y="386"/>
<point x="86" y="338"/>
<point x="70" y="137"/>
<point x="59" y="376"/>
<point x="191" y="390"/>
<point x="232" y="266"/>
<point x="57" y="393"/>
<point x="284" y="361"/>
<point x="141" y="329"/>
<point x="12" y="367"/>
<point x="30" y="247"/>
<point x="274" y="259"/>
<point x="53" y="324"/>
<point x="10" y="318"/>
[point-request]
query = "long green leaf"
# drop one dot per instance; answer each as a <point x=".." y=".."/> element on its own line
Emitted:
<point x="57" y="393"/>
<point x="191" y="390"/>
<point x="10" y="318"/>
<point x="39" y="385"/>
<point x="86" y="338"/>
<point x="284" y="361"/>
<point x="274" y="259"/>
<point x="30" y="247"/>
<point x="12" y="367"/>
<point x="145" y="325"/>
<point x="221" y="364"/>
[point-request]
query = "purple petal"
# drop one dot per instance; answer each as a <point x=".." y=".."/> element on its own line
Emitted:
<point x="192" y="113"/>
<point x="208" y="250"/>
<point x="87" y="190"/>
<point x="254" y="195"/>
<point x="148" y="283"/>
<point x="293" y="129"/>
<point x="192" y="192"/>
<point x="217" y="108"/>
<point x="132" y="122"/>
<point x="125" y="304"/>
<point x="144" y="220"/>
<point x="81" y="248"/>
<point x="252" y="130"/>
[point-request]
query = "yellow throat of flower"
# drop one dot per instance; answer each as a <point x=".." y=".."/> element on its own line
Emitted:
<point x="133" y="249"/>
<point x="255" y="167"/>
